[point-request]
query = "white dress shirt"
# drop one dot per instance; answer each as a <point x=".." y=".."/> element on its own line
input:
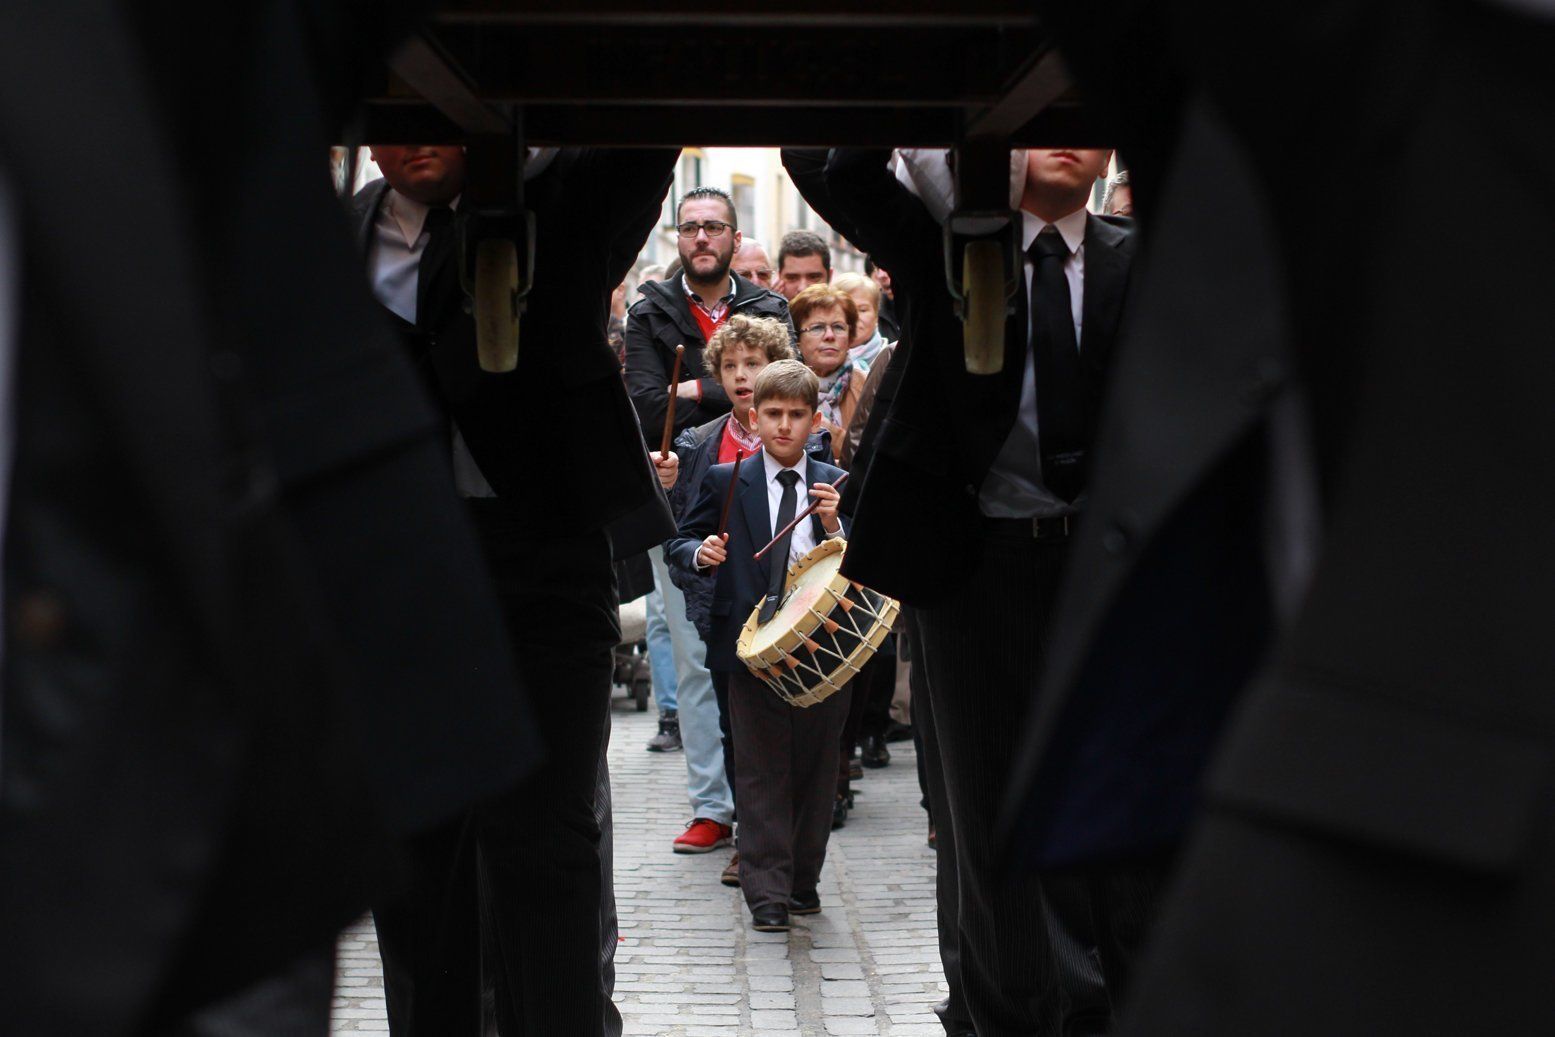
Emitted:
<point x="1014" y="487"/>
<point x="803" y="540"/>
<point x="394" y="263"/>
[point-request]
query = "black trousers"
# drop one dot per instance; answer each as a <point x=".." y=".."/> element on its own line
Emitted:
<point x="869" y="712"/>
<point x="294" y="1002"/>
<point x="1026" y="956"/>
<point x="521" y="874"/>
<point x="788" y="758"/>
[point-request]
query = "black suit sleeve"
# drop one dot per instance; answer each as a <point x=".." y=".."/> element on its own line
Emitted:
<point x="701" y="520"/>
<point x="627" y="187"/>
<point x="807" y="168"/>
<point x="888" y="222"/>
<point x="647" y="379"/>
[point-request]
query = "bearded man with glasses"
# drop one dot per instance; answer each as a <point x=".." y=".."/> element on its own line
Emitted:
<point x="687" y="310"/>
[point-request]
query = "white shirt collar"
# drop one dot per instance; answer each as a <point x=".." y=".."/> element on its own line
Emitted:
<point x="773" y="468"/>
<point x="410" y="215"/>
<point x="1071" y="228"/>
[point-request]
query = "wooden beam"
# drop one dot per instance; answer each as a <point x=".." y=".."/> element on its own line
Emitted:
<point x="790" y="15"/>
<point x="1043" y="81"/>
<point x="426" y="69"/>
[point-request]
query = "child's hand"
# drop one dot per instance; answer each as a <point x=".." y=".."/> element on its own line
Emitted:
<point x="713" y="551"/>
<point x="667" y="467"/>
<point x="826" y="501"/>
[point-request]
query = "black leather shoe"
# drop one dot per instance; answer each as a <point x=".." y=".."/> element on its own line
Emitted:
<point x="898" y="732"/>
<point x="839" y="813"/>
<point x="770" y="919"/>
<point x="804" y="904"/>
<point x="855" y="770"/>
<point x="873" y="753"/>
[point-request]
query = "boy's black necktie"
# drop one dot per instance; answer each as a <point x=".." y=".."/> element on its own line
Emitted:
<point x="778" y="556"/>
<point x="1061" y="420"/>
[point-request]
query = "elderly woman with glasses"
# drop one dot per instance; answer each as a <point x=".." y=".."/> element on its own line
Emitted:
<point x="826" y="320"/>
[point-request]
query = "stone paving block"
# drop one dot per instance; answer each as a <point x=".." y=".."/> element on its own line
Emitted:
<point x="689" y="964"/>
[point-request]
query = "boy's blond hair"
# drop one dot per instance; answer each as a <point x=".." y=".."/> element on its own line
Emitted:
<point x="787" y="380"/>
<point x="767" y="334"/>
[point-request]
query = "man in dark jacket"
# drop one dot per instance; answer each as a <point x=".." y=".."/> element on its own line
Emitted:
<point x="687" y="310"/>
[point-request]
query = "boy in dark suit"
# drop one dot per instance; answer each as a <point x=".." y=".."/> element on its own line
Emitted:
<point x="788" y="755"/>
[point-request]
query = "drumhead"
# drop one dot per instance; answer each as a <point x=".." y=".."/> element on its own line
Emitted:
<point x="808" y="588"/>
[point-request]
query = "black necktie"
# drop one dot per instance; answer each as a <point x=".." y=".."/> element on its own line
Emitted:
<point x="439" y="227"/>
<point x="778" y="556"/>
<point x="1061" y="419"/>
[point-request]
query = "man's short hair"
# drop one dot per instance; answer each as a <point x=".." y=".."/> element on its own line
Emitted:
<point x="820" y="297"/>
<point x="787" y="380"/>
<point x="710" y="192"/>
<point x="1121" y="180"/>
<point x="850" y="282"/>
<point x="803" y="243"/>
<point x="768" y="334"/>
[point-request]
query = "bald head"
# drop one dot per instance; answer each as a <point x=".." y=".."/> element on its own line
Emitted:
<point x="751" y="263"/>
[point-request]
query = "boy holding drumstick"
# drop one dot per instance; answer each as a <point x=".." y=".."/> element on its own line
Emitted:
<point x="787" y="755"/>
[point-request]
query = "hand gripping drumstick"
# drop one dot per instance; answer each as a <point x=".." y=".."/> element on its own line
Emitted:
<point x="669" y="410"/>
<point x="799" y="518"/>
<point x="734" y="480"/>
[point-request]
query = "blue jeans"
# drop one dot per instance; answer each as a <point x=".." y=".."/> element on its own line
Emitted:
<point x="706" y="784"/>
<point x="661" y="658"/>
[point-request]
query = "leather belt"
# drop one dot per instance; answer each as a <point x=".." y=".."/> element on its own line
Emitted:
<point x="1054" y="527"/>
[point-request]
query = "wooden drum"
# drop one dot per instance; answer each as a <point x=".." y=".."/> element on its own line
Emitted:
<point x="825" y="630"/>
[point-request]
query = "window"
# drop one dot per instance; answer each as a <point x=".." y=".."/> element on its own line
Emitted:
<point x="742" y="189"/>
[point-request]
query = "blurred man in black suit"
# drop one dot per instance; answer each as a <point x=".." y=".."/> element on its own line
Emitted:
<point x="1313" y="485"/>
<point x="550" y="553"/>
<point x="224" y="693"/>
<point x="997" y="464"/>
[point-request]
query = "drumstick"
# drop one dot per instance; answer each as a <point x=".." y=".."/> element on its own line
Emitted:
<point x="798" y="519"/>
<point x="669" y="414"/>
<point x="734" y="480"/>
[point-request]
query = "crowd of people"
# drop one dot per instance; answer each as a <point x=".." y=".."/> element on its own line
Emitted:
<point x="810" y="345"/>
<point x="767" y="389"/>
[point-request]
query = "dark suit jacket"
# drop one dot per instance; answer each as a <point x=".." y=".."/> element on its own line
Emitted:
<point x="1386" y="772"/>
<point x="593" y="209"/>
<point x="662" y="320"/>
<point x="215" y="688"/>
<point x="944" y="427"/>
<point x="742" y="581"/>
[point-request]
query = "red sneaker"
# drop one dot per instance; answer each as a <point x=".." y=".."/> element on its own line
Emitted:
<point x="703" y="836"/>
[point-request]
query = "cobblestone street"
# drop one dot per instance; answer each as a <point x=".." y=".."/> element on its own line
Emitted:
<point x="690" y="966"/>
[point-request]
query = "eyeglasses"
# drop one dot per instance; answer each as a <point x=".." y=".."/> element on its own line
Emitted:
<point x="817" y="330"/>
<point x="714" y="228"/>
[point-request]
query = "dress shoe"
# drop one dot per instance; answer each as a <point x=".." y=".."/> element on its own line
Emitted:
<point x="839" y="813"/>
<point x="731" y="875"/>
<point x="668" y="738"/>
<point x="873" y="753"/>
<point x="804" y="904"/>
<point x="855" y="770"/>
<point x="772" y="919"/>
<point x="897" y="731"/>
